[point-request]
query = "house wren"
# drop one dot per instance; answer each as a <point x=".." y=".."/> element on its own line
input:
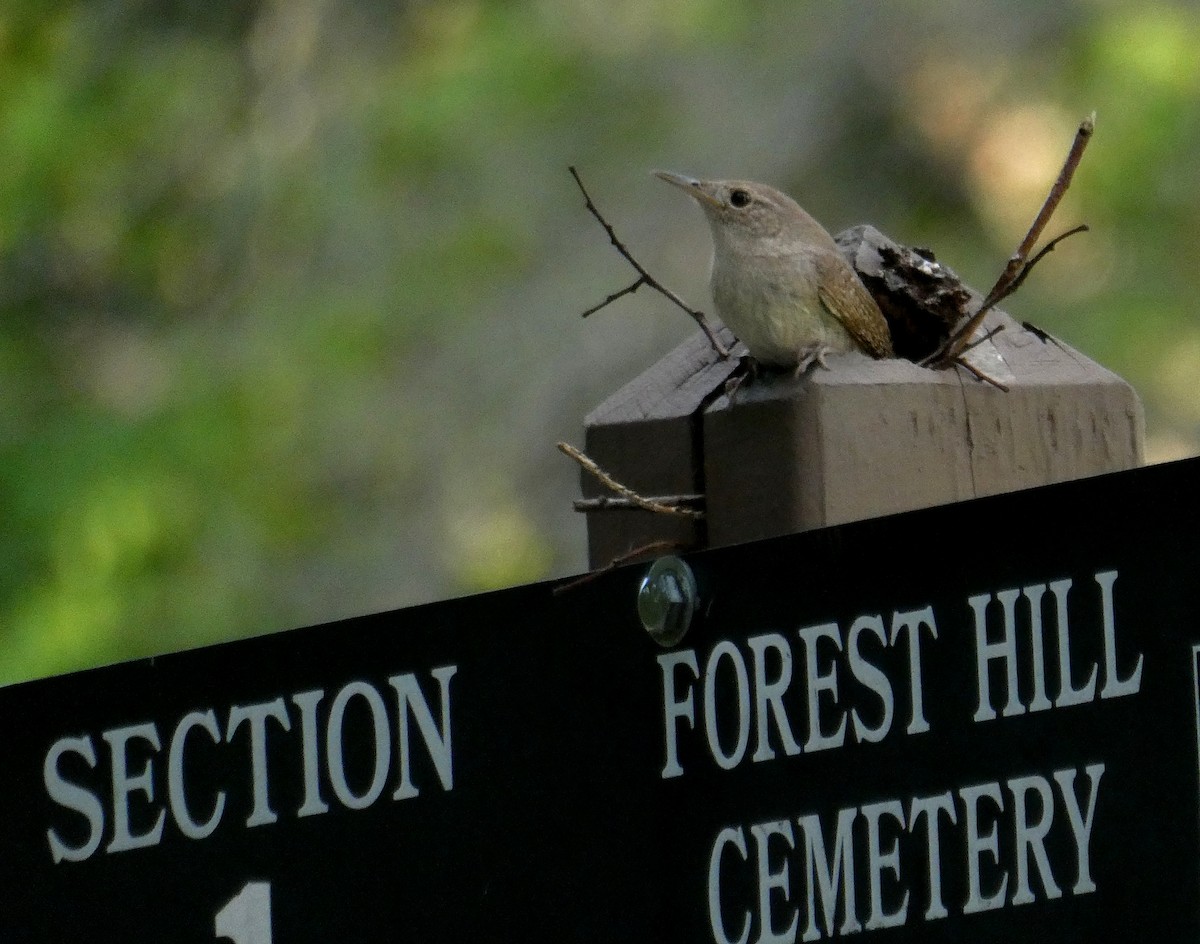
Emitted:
<point x="779" y="281"/>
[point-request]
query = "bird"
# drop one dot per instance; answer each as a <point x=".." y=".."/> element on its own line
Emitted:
<point x="779" y="281"/>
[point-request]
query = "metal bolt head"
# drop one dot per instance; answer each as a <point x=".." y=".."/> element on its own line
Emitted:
<point x="667" y="600"/>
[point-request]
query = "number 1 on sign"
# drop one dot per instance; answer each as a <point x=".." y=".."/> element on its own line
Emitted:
<point x="246" y="919"/>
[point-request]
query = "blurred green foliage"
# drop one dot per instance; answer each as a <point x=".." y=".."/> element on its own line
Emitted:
<point x="288" y="292"/>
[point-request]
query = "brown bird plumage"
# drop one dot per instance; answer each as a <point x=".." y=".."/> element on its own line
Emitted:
<point x="779" y="280"/>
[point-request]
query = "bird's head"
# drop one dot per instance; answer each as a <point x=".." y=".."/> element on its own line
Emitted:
<point x="740" y="211"/>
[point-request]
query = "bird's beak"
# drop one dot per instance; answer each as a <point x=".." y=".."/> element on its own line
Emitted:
<point x="696" y="188"/>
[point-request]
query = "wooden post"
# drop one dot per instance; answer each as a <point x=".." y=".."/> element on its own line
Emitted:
<point x="862" y="439"/>
<point x="650" y="435"/>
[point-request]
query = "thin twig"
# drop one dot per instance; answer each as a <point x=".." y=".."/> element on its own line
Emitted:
<point x="625" y="491"/>
<point x="1048" y="248"/>
<point x="654" y="547"/>
<point x="1012" y="274"/>
<point x="983" y="340"/>
<point x="627" y="290"/>
<point x="609" y="503"/>
<point x="644" y="277"/>
<point x="968" y="366"/>
<point x="1015" y="264"/>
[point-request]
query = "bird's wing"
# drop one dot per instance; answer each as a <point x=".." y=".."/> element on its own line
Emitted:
<point x="847" y="299"/>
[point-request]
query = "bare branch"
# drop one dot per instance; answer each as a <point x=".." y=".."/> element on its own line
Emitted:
<point x="624" y="491"/>
<point x="644" y="277"/>
<point x="983" y="340"/>
<point x="654" y="547"/>
<point x="1017" y="267"/>
<point x="971" y="368"/>
<point x="609" y="503"/>
<point x="1048" y="248"/>
<point x="1082" y="136"/>
<point x="627" y="290"/>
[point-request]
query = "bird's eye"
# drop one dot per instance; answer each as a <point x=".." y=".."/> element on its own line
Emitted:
<point x="739" y="198"/>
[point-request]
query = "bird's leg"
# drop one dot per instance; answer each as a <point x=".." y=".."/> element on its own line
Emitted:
<point x="814" y="354"/>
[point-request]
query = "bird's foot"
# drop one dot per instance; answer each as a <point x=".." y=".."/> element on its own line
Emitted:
<point x="747" y="371"/>
<point x="810" y="356"/>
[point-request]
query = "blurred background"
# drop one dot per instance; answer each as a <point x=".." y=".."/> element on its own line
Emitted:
<point x="290" y="291"/>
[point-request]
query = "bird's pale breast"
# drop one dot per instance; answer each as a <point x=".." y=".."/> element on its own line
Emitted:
<point x="771" y="304"/>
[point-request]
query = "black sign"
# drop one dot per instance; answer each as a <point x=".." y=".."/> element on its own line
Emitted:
<point x="977" y="722"/>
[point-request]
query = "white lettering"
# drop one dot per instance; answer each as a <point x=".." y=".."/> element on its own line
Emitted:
<point x="1114" y="686"/>
<point x="768" y="880"/>
<point x="873" y="678"/>
<point x="175" y="779"/>
<point x="1031" y="837"/>
<point x="769" y="695"/>
<point x="675" y="708"/>
<point x="1068" y="695"/>
<point x="1034" y="593"/>
<point x="382" y="746"/>
<point x="1081" y="825"/>
<point x="930" y="807"/>
<point x="865" y="849"/>
<point x="124" y="784"/>
<point x="73" y="797"/>
<point x="913" y="621"/>
<point x="1005" y="649"/>
<point x="256" y="716"/>
<point x="819" y="682"/>
<point x="977" y="844"/>
<point x="730" y="836"/>
<point x="727" y="649"/>
<point x="824" y="874"/>
<point x="437" y="742"/>
<point x="307" y="703"/>
<point x="878" y="860"/>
